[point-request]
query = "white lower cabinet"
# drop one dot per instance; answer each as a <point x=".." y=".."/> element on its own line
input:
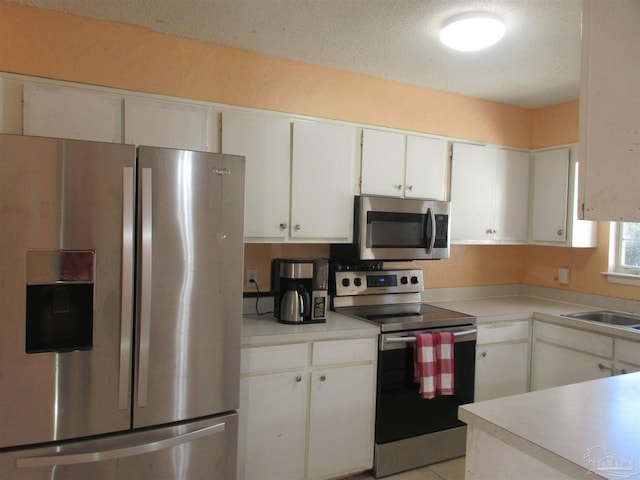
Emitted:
<point x="563" y="355"/>
<point x="341" y="421"/>
<point x="502" y="359"/>
<point x="307" y="410"/>
<point x="626" y="356"/>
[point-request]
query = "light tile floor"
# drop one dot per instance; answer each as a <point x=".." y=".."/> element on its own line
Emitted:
<point x="449" y="470"/>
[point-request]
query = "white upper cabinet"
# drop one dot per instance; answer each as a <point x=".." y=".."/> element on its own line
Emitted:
<point x="426" y="172"/>
<point x="299" y="186"/>
<point x="399" y="165"/>
<point x="382" y="163"/>
<point x="550" y="193"/>
<point x="170" y="124"/>
<point x="265" y="141"/>
<point x="554" y="203"/>
<point x="610" y="111"/>
<point x="52" y="111"/>
<point x="489" y="194"/>
<point x="322" y="184"/>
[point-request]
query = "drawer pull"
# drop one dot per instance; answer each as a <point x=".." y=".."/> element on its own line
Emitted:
<point x="323" y="378"/>
<point x="602" y="366"/>
<point x="298" y="378"/>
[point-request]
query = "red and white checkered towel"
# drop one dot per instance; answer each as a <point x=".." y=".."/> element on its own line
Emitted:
<point x="433" y="363"/>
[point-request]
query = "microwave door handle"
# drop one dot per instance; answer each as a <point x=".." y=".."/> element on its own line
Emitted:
<point x="432" y="219"/>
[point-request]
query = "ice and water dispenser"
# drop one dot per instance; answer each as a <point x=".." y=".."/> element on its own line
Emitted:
<point x="59" y="310"/>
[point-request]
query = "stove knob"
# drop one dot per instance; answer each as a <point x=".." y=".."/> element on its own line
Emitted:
<point x="357" y="282"/>
<point x="414" y="280"/>
<point x="345" y="282"/>
<point x="404" y="280"/>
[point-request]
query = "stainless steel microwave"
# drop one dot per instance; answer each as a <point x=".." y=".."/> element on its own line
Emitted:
<point x="387" y="228"/>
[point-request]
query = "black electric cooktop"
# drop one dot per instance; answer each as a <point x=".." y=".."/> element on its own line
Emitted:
<point x="408" y="316"/>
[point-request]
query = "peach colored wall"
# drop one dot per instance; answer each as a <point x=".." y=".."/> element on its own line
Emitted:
<point x="65" y="47"/>
<point x="55" y="45"/>
<point x="555" y="125"/>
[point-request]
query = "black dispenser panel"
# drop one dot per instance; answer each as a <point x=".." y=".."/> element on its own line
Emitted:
<point x="59" y="310"/>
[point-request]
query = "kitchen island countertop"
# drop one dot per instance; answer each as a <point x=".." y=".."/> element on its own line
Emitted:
<point x="584" y="430"/>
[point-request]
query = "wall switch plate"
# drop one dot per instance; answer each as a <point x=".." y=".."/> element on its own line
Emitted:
<point x="563" y="276"/>
<point x="252" y="274"/>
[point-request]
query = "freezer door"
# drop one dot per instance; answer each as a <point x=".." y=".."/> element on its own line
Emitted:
<point x="64" y="371"/>
<point x="202" y="450"/>
<point x="190" y="239"/>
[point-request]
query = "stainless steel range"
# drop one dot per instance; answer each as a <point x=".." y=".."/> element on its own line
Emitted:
<point x="410" y="431"/>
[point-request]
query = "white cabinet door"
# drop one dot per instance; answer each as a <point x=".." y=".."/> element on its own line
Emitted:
<point x="383" y="157"/>
<point x="273" y="420"/>
<point x="610" y="111"/>
<point x="341" y="421"/>
<point x="550" y="193"/>
<point x="555" y="365"/>
<point x="473" y="172"/>
<point x="50" y="111"/>
<point x="489" y="194"/>
<point x="266" y="143"/>
<point x="426" y="168"/>
<point x="170" y="124"/>
<point x="511" y="202"/>
<point x="322" y="183"/>
<point x="399" y="165"/>
<point x="501" y="369"/>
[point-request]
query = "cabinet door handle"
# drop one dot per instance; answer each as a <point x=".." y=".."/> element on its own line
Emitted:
<point x="299" y="378"/>
<point x="297" y="227"/>
<point x="602" y="366"/>
<point x="483" y="354"/>
<point x="560" y="232"/>
<point x="323" y="378"/>
<point x="397" y="187"/>
<point x="283" y="226"/>
<point x="409" y="187"/>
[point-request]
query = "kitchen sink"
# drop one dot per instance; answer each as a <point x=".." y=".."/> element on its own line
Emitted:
<point x="611" y="318"/>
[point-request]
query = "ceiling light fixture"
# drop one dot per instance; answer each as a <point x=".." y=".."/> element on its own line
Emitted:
<point x="472" y="31"/>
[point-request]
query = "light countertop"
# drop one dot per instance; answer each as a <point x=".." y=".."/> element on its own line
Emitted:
<point x="491" y="309"/>
<point x="571" y="427"/>
<point x="514" y="306"/>
<point x="266" y="330"/>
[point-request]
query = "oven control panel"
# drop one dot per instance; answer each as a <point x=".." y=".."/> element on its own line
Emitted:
<point x="384" y="281"/>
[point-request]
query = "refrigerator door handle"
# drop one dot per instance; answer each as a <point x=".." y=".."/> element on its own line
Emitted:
<point x="126" y="308"/>
<point x="116" y="453"/>
<point x="145" y="288"/>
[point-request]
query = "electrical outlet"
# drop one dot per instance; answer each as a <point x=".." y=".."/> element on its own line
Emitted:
<point x="563" y="276"/>
<point x="252" y="274"/>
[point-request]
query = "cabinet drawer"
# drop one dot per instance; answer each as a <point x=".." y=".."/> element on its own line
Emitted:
<point x="344" y="351"/>
<point x="503" y="332"/>
<point x="592" y="343"/>
<point x="627" y="351"/>
<point x="274" y="357"/>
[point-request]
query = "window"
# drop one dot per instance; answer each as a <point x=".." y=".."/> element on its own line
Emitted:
<point x="628" y="247"/>
<point x="624" y="253"/>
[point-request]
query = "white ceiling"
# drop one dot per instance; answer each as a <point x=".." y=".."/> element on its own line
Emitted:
<point x="537" y="63"/>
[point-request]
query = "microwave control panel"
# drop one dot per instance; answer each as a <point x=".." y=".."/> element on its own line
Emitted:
<point x="371" y="283"/>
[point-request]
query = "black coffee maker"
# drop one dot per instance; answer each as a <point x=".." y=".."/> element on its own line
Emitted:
<point x="300" y="290"/>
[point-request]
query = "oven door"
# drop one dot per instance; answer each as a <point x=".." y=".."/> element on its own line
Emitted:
<point x="401" y="412"/>
<point x="402" y="229"/>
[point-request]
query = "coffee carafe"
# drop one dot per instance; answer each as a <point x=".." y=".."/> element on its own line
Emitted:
<point x="300" y="290"/>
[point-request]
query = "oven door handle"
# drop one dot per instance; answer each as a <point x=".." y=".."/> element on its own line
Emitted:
<point x="413" y="339"/>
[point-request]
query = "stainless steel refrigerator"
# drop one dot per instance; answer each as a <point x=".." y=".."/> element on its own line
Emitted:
<point x="120" y="307"/>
